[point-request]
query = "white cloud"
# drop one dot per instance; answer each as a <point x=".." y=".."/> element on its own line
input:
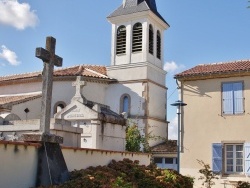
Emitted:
<point x="172" y="67"/>
<point x="173" y="128"/>
<point x="9" y="56"/>
<point x="17" y="14"/>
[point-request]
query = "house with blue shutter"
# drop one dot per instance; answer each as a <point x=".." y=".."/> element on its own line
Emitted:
<point x="215" y="124"/>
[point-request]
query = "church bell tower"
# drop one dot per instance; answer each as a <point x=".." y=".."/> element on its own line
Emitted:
<point x="137" y="60"/>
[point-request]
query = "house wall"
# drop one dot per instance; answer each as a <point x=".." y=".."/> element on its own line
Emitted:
<point x="204" y="124"/>
<point x="18" y="161"/>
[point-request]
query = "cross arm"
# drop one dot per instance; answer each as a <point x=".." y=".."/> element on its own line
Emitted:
<point x="45" y="55"/>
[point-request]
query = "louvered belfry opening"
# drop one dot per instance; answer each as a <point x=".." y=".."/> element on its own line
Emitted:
<point x="151" y="39"/>
<point x="158" y="45"/>
<point x="137" y="38"/>
<point x="121" y="40"/>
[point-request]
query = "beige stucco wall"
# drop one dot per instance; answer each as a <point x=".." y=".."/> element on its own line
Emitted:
<point x="77" y="159"/>
<point x="18" y="165"/>
<point x="204" y="123"/>
<point x="18" y="161"/>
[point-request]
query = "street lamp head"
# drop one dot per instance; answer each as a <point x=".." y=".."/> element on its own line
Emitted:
<point x="179" y="103"/>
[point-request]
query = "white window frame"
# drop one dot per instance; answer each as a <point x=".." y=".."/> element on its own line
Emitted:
<point x="234" y="158"/>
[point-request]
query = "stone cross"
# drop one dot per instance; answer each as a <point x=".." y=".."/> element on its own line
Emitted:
<point x="78" y="84"/>
<point x="49" y="59"/>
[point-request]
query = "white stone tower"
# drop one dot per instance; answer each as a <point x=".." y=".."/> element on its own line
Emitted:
<point x="137" y="63"/>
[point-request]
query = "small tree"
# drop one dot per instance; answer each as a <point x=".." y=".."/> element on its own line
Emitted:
<point x="133" y="139"/>
<point x="208" y="176"/>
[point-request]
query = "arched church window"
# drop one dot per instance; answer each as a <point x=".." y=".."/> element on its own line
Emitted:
<point x="125" y="103"/>
<point x="59" y="106"/>
<point x="158" y="45"/>
<point x="151" y="39"/>
<point x="121" y="40"/>
<point x="137" y="38"/>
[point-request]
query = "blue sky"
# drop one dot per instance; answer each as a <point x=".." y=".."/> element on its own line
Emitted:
<point x="201" y="32"/>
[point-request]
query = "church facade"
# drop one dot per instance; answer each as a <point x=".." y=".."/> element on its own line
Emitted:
<point x="133" y="85"/>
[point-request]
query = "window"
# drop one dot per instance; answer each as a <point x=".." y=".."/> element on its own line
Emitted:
<point x="151" y="40"/>
<point x="137" y="38"/>
<point x="59" y="106"/>
<point x="235" y="157"/>
<point x="158" y="160"/>
<point x="125" y="102"/>
<point x="158" y="45"/>
<point x="121" y="40"/>
<point x="232" y="98"/>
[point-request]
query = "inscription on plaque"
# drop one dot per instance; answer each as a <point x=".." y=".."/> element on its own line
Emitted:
<point x="75" y="115"/>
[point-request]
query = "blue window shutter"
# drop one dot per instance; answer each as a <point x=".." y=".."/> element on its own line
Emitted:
<point x="227" y="98"/>
<point x="217" y="157"/>
<point x="238" y="98"/>
<point x="247" y="158"/>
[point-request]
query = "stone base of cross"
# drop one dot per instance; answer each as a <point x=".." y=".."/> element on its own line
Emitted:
<point x="39" y="138"/>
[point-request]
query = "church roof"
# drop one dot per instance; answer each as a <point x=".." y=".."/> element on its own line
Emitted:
<point x="6" y="101"/>
<point x="134" y="6"/>
<point x="94" y="71"/>
<point x="216" y="70"/>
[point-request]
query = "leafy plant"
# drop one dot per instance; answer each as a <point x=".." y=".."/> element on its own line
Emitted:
<point x="126" y="174"/>
<point x="242" y="184"/>
<point x="135" y="141"/>
<point x="208" y="176"/>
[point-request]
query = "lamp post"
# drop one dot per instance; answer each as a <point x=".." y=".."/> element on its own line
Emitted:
<point x="178" y="104"/>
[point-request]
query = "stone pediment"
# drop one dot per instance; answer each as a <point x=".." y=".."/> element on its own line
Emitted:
<point x="77" y="111"/>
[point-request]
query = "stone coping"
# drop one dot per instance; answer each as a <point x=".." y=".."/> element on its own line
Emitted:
<point x="106" y="151"/>
<point x="37" y="145"/>
<point x="34" y="125"/>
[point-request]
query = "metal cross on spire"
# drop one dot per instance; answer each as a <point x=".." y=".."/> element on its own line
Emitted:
<point x="50" y="59"/>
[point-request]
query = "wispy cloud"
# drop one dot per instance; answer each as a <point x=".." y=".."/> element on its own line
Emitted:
<point x="17" y="14"/>
<point x="172" y="67"/>
<point x="172" y="128"/>
<point x="9" y="56"/>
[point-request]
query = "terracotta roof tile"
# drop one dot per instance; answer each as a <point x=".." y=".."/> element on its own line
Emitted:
<point x="169" y="146"/>
<point x="216" y="68"/>
<point x="94" y="71"/>
<point x="10" y="100"/>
